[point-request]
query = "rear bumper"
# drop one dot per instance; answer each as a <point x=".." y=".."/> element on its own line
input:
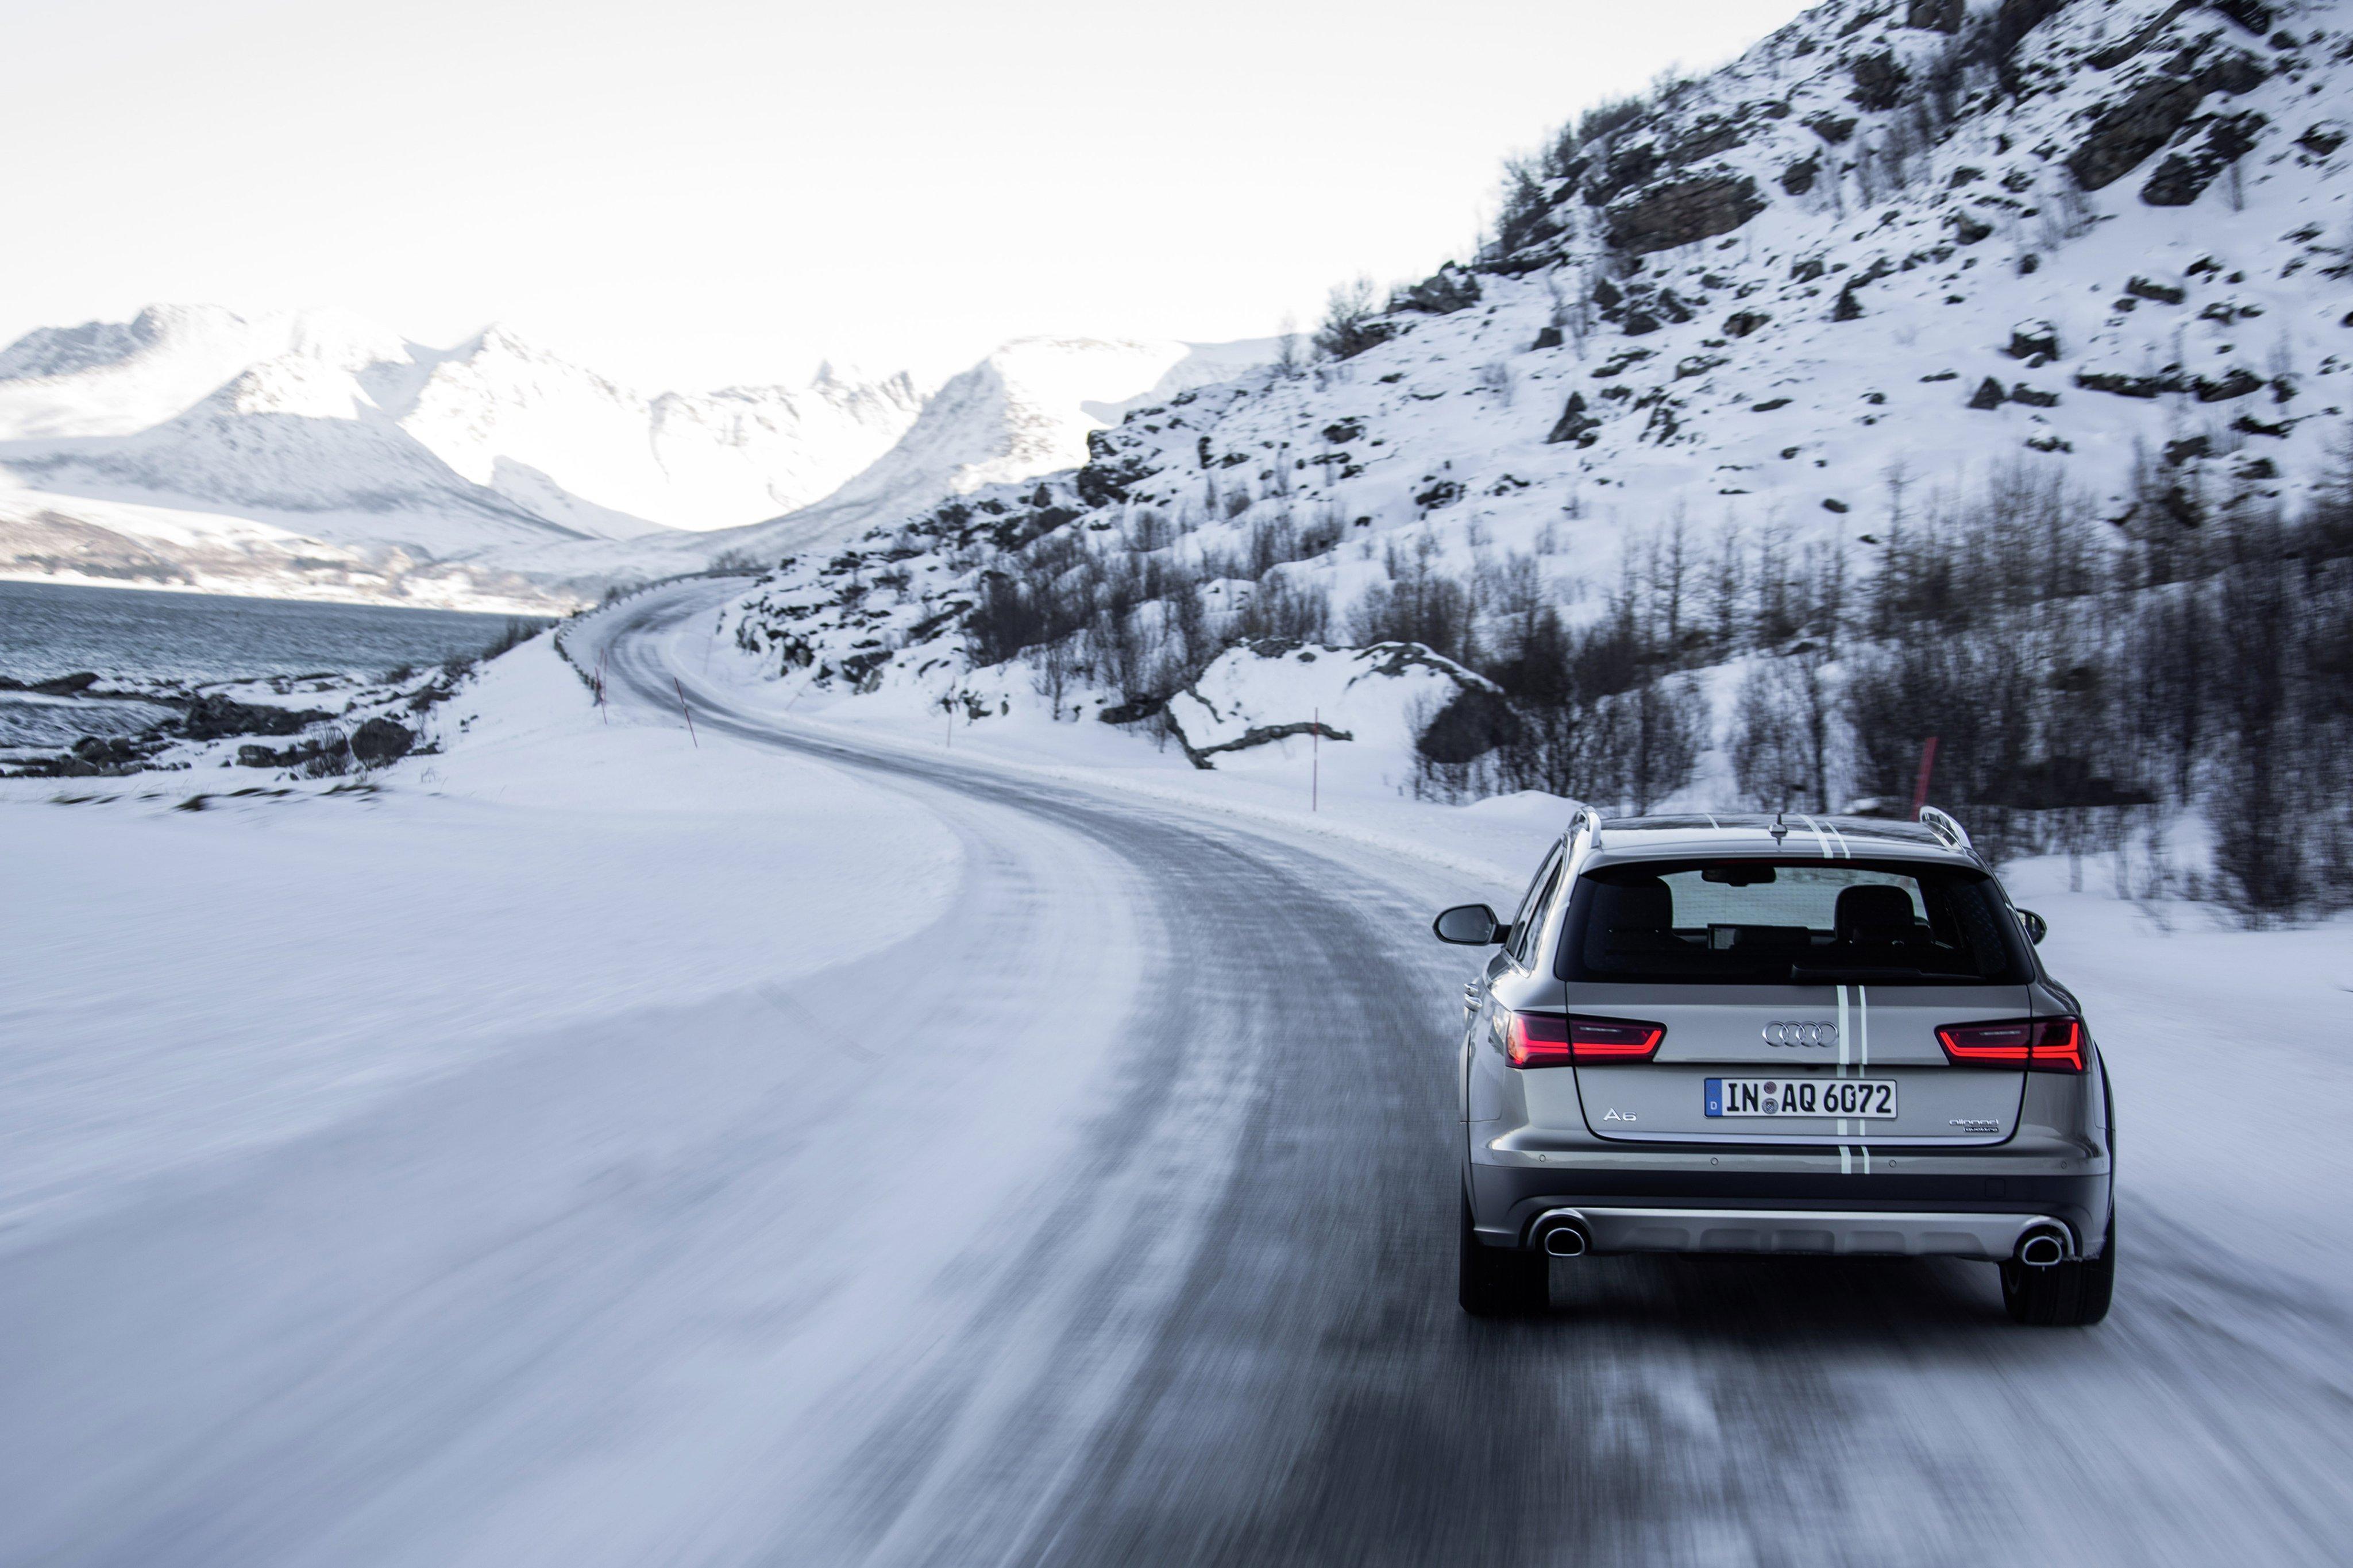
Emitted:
<point x="1830" y="1232"/>
<point x="1931" y="1209"/>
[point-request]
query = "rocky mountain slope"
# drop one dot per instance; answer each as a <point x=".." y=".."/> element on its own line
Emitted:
<point x="1897" y="260"/>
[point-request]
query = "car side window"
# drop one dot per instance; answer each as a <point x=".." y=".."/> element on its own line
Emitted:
<point x="1532" y="916"/>
<point x="1532" y="900"/>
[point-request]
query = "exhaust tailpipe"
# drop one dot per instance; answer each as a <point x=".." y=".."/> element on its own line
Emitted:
<point x="2042" y="1247"/>
<point x="1565" y="1240"/>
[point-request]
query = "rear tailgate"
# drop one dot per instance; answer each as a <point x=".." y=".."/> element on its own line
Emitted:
<point x="1761" y="1057"/>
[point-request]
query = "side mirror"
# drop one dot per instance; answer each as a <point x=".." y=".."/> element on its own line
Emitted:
<point x="2037" y="928"/>
<point x="1470" y="925"/>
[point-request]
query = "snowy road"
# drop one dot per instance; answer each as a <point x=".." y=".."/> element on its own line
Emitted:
<point x="1106" y="1218"/>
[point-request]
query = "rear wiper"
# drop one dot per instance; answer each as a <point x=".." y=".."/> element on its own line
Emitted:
<point x="1801" y="975"/>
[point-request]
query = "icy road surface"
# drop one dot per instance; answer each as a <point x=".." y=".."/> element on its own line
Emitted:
<point x="1098" y="1208"/>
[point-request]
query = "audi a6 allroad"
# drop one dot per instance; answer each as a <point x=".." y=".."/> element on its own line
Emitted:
<point x="1749" y="1034"/>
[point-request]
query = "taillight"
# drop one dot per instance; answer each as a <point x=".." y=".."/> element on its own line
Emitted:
<point x="2038" y="1044"/>
<point x="1545" y="1040"/>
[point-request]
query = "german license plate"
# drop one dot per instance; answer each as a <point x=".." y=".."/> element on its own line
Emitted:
<point x="1865" y="1098"/>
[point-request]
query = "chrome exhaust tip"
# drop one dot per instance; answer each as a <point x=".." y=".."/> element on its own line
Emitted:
<point x="1565" y="1240"/>
<point x="2042" y="1247"/>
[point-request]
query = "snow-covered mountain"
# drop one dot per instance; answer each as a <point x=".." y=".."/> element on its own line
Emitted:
<point x="314" y="452"/>
<point x="1025" y="410"/>
<point x="1901" y="254"/>
<point x="488" y="442"/>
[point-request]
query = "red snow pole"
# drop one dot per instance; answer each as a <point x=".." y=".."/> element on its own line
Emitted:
<point x="1927" y="766"/>
<point x="688" y="711"/>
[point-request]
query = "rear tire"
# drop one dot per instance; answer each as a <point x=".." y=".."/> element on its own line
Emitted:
<point x="2064" y="1295"/>
<point x="1500" y="1281"/>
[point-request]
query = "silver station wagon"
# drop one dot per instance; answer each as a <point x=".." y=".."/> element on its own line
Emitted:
<point x="1749" y="1034"/>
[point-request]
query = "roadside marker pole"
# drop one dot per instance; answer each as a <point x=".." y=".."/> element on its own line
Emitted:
<point x="688" y="711"/>
<point x="1920" y="789"/>
<point x="1314" y="756"/>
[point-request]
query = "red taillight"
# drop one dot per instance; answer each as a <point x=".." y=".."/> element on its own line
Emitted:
<point x="1544" y="1040"/>
<point x="2038" y="1044"/>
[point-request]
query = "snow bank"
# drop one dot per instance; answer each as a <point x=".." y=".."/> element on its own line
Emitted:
<point x="190" y="984"/>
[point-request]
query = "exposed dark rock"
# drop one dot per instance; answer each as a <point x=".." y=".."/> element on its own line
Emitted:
<point x="1671" y="307"/>
<point x="1848" y="308"/>
<point x="2252" y="14"/>
<point x="1935" y="16"/>
<point x="1474" y="723"/>
<point x="1967" y="230"/>
<point x="2235" y="71"/>
<point x="1769" y="404"/>
<point x="2233" y="136"/>
<point x="2323" y="138"/>
<point x="2029" y="339"/>
<point x="1630" y="165"/>
<point x="1711" y="135"/>
<point x="2237" y="383"/>
<point x="2016" y="19"/>
<point x="1798" y="178"/>
<point x="1878" y="82"/>
<point x="325" y="756"/>
<point x="1836" y="505"/>
<point x="1575" y="423"/>
<point x="2125" y="385"/>
<point x="1443" y="293"/>
<point x="1443" y="492"/>
<point x="1988" y="395"/>
<point x="1341" y="432"/>
<point x="2259" y="469"/>
<point x="212" y="716"/>
<point x="1832" y="128"/>
<point x="2184" y="176"/>
<point x="380" y="741"/>
<point x="1684" y="212"/>
<point x="1608" y="295"/>
<point x="1546" y="338"/>
<point x="1640" y="324"/>
<point x="117" y="753"/>
<point x="1258" y="735"/>
<point x="2118" y="53"/>
<point x="2248" y="425"/>
<point x="1135" y="711"/>
<point x="1806" y="269"/>
<point x="72" y="685"/>
<point x="2148" y="288"/>
<point x="2033" y="397"/>
<point x="1109" y="472"/>
<point x="2188" y="448"/>
<point x="2129" y="132"/>
<point x="1740" y="323"/>
<point x="1621" y="363"/>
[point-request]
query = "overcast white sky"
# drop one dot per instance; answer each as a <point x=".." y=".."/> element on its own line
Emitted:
<point x="707" y="191"/>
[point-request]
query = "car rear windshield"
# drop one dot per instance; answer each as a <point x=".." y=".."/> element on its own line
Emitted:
<point x="1792" y="922"/>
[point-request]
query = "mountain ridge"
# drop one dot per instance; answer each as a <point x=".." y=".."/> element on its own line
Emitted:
<point x="342" y="444"/>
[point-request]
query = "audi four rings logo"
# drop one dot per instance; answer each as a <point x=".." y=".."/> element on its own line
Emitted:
<point x="1801" y="1034"/>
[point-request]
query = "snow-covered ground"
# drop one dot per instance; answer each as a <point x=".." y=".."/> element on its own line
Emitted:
<point x="861" y="1137"/>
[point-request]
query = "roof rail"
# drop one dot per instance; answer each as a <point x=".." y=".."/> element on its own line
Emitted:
<point x="1586" y="814"/>
<point x="1942" y="824"/>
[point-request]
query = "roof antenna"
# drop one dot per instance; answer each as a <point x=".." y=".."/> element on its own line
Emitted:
<point x="1781" y="829"/>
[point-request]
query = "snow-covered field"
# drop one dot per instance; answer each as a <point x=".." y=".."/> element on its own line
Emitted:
<point x="850" y="1139"/>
